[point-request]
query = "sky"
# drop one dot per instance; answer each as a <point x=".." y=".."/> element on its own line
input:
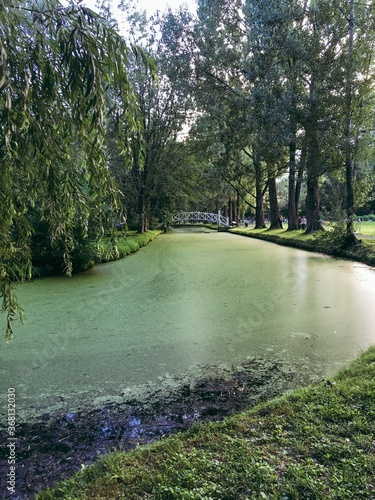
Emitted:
<point x="151" y="6"/>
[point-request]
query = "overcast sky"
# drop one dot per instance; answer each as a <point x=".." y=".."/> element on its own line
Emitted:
<point x="151" y="5"/>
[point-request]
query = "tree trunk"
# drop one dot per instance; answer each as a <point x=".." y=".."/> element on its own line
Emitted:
<point x="141" y="211"/>
<point x="259" y="206"/>
<point x="142" y="201"/>
<point x="312" y="205"/>
<point x="225" y="212"/>
<point x="292" y="206"/>
<point x="350" y="238"/>
<point x="234" y="211"/>
<point x="301" y="169"/>
<point x="238" y="209"/>
<point x="274" y="204"/>
<point x="313" y="165"/>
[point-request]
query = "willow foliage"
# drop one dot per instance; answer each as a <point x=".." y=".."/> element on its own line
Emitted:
<point x="63" y="77"/>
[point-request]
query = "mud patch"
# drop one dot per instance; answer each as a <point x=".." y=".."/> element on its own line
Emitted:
<point x="55" y="446"/>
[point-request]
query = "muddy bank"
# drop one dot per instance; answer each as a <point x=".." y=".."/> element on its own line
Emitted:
<point x="55" y="446"/>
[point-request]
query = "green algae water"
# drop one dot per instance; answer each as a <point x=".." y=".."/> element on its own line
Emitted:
<point x="191" y="299"/>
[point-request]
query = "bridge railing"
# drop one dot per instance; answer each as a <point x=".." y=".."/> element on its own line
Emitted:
<point x="201" y="217"/>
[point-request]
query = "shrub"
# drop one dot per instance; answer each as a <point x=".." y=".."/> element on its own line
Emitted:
<point x="48" y="259"/>
<point x="333" y="241"/>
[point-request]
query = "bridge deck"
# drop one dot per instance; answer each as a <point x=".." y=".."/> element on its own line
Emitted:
<point x="210" y="218"/>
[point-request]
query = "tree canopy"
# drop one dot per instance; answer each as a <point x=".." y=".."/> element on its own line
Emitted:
<point x="63" y="76"/>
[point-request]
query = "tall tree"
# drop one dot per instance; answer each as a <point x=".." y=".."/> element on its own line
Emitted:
<point x="57" y="66"/>
<point x="358" y="70"/>
<point x="158" y="174"/>
<point x="274" y="67"/>
<point x="220" y="92"/>
<point x="339" y="93"/>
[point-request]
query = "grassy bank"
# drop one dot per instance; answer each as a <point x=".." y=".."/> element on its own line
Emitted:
<point x="124" y="245"/>
<point x="328" y="242"/>
<point x="314" y="443"/>
<point x="48" y="260"/>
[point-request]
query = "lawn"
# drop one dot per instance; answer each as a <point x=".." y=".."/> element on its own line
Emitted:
<point x="365" y="228"/>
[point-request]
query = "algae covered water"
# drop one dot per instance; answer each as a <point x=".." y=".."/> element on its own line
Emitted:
<point x="192" y="300"/>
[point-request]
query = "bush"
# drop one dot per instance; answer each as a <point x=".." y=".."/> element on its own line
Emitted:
<point x="116" y="249"/>
<point x="333" y="241"/>
<point x="48" y="259"/>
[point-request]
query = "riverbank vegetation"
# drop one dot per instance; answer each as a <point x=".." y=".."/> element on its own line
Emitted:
<point x="48" y="260"/>
<point x="317" y="442"/>
<point x="331" y="242"/>
<point x="124" y="245"/>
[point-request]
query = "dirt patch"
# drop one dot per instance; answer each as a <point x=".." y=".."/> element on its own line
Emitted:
<point x="54" y="447"/>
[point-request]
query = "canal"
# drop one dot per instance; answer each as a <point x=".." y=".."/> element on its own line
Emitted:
<point x="192" y="300"/>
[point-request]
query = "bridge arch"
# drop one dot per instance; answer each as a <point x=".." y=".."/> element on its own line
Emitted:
<point x="211" y="218"/>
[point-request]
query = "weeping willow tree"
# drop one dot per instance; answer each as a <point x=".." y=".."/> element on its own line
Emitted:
<point x="63" y="79"/>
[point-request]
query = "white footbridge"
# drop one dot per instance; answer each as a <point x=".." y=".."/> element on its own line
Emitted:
<point x="209" y="218"/>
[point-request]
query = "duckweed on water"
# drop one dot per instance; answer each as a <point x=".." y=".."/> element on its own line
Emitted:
<point x="314" y="443"/>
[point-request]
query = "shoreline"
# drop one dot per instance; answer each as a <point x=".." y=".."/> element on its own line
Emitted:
<point x="298" y="240"/>
<point x="54" y="446"/>
<point x="316" y="442"/>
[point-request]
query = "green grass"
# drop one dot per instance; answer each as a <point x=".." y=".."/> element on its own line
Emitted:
<point x="315" y="443"/>
<point x="364" y="252"/>
<point x="361" y="228"/>
<point x="365" y="228"/>
<point x="282" y="233"/>
<point x="123" y="245"/>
